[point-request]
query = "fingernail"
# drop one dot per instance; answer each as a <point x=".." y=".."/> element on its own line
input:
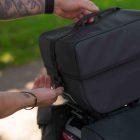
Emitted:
<point x="62" y="88"/>
<point x="59" y="90"/>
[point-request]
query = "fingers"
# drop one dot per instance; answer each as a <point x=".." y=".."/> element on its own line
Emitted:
<point x="58" y="91"/>
<point x="89" y="5"/>
<point x="42" y="81"/>
<point x="36" y="83"/>
<point x="71" y="15"/>
<point x="48" y="82"/>
<point x="78" y="17"/>
<point x="86" y="12"/>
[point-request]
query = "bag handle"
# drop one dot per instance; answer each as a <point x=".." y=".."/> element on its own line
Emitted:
<point x="99" y="14"/>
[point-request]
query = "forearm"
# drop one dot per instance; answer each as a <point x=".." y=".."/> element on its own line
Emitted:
<point x="11" y="9"/>
<point x="11" y="102"/>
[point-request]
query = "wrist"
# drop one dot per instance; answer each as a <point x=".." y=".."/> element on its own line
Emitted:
<point x="36" y="93"/>
<point x="29" y="99"/>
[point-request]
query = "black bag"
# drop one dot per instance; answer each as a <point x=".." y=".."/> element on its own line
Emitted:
<point x="98" y="63"/>
<point x="122" y="126"/>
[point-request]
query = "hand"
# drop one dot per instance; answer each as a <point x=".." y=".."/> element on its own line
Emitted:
<point x="46" y="96"/>
<point x="42" y="89"/>
<point x="74" y="9"/>
<point x="42" y="81"/>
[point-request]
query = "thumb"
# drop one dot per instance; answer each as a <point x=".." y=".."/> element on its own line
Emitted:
<point x="58" y="91"/>
<point x="89" y="5"/>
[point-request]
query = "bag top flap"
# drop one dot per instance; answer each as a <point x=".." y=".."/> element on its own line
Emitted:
<point x="97" y="47"/>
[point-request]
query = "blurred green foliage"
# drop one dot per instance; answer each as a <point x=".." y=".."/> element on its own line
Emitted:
<point x="19" y="38"/>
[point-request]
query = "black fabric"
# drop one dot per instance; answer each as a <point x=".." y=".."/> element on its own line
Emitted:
<point x="44" y="116"/>
<point x="49" y="6"/>
<point x="122" y="126"/>
<point x="88" y="134"/>
<point x="52" y="120"/>
<point x="48" y="58"/>
<point x="98" y="64"/>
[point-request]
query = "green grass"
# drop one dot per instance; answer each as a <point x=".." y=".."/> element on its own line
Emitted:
<point x="19" y="38"/>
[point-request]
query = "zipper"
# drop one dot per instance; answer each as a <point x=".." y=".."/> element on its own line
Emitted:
<point x="98" y="71"/>
<point x="89" y="35"/>
<point x="56" y="78"/>
<point x="105" y="69"/>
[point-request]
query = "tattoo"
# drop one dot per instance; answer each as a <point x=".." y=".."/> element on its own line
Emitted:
<point x="20" y="7"/>
<point x="10" y="9"/>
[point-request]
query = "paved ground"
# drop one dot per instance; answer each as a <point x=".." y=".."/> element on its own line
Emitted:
<point x="21" y="125"/>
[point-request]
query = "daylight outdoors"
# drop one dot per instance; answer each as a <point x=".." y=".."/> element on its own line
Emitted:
<point x="20" y="63"/>
<point x="19" y="38"/>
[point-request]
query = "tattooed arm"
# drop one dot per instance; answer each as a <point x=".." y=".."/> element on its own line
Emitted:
<point x="71" y="9"/>
<point x="11" y="9"/>
<point x="11" y="102"/>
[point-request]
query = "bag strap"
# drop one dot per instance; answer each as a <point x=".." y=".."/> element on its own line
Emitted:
<point x="98" y="15"/>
